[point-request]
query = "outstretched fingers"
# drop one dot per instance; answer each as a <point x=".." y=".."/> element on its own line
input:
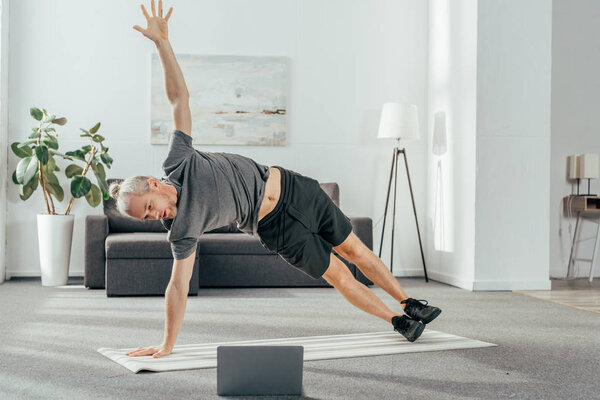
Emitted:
<point x="139" y="29"/>
<point x="144" y="11"/>
<point x="142" y="352"/>
<point x="153" y="9"/>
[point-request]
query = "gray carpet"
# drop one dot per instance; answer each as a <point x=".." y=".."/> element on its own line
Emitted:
<point x="49" y="337"/>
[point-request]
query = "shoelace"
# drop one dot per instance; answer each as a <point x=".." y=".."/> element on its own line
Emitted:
<point x="420" y="301"/>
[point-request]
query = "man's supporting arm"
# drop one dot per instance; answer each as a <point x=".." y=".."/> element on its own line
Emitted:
<point x="176" y="297"/>
<point x="175" y="301"/>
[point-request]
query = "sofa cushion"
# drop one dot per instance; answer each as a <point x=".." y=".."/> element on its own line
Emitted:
<point x="230" y="243"/>
<point x="138" y="245"/>
<point x="231" y="228"/>
<point x="333" y="191"/>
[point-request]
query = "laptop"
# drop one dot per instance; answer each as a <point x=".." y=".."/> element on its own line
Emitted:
<point x="259" y="370"/>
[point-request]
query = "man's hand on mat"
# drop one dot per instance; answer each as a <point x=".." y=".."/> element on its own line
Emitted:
<point x="157" y="28"/>
<point x="154" y="351"/>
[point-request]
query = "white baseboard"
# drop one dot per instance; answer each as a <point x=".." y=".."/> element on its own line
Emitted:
<point x="408" y="272"/>
<point x="451" y="280"/>
<point x="542" y="284"/>
<point x="36" y="274"/>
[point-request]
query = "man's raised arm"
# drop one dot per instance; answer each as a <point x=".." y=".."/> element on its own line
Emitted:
<point x="177" y="93"/>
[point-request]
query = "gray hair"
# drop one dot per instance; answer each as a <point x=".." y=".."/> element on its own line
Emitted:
<point x="122" y="191"/>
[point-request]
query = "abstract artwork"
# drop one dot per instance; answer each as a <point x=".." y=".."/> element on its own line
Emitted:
<point x="234" y="100"/>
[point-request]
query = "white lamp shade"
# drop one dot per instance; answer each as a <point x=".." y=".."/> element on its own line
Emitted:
<point x="573" y="163"/>
<point x="398" y="121"/>
<point x="589" y="166"/>
<point x="439" y="134"/>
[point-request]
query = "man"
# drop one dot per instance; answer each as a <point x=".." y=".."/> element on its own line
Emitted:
<point x="288" y="212"/>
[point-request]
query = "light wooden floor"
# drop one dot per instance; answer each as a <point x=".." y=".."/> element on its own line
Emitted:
<point x="576" y="293"/>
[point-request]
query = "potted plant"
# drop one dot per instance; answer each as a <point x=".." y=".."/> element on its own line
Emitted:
<point x="37" y="168"/>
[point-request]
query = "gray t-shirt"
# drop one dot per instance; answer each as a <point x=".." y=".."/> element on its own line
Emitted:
<point x="213" y="190"/>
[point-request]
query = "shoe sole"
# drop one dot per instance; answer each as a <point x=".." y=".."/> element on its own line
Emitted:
<point x="415" y="334"/>
<point x="433" y="316"/>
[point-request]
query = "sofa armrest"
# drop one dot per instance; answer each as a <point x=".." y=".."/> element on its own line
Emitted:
<point x="96" y="231"/>
<point x="363" y="228"/>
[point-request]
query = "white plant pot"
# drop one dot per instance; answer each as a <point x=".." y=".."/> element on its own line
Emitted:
<point x="55" y="234"/>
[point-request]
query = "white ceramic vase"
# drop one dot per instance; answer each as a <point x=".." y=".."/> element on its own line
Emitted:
<point x="55" y="234"/>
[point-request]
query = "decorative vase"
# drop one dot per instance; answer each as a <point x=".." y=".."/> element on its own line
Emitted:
<point x="55" y="234"/>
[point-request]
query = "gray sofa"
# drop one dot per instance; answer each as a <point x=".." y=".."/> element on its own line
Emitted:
<point x="133" y="258"/>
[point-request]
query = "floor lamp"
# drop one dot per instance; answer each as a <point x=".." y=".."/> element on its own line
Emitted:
<point x="399" y="122"/>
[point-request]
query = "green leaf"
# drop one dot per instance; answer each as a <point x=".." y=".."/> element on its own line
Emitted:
<point x="80" y="186"/>
<point x="94" y="196"/>
<point x="73" y="170"/>
<point x="60" y="121"/>
<point x="25" y="191"/>
<point x="76" y="154"/>
<point x="36" y="113"/>
<point x="50" y="178"/>
<point x="14" y="178"/>
<point x="101" y="179"/>
<point x="26" y="169"/>
<point x="98" y="138"/>
<point x="51" y="166"/>
<point x="41" y="152"/>
<point x="86" y="149"/>
<point x="34" y="182"/>
<point x="49" y="129"/>
<point x="84" y="131"/>
<point x="56" y="190"/>
<point x="95" y="128"/>
<point x="50" y="141"/>
<point x="99" y="171"/>
<point x="21" y="152"/>
<point x="106" y="159"/>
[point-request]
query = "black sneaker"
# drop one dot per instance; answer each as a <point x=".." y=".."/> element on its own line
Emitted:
<point x="408" y="327"/>
<point x="419" y="311"/>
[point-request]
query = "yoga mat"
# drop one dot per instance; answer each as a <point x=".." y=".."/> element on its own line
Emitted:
<point x="194" y="356"/>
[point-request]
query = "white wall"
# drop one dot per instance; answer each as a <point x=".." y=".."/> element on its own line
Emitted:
<point x="347" y="59"/>
<point x="513" y="145"/>
<point x="575" y="119"/>
<point x="489" y="72"/>
<point x="452" y="90"/>
<point x="3" y="130"/>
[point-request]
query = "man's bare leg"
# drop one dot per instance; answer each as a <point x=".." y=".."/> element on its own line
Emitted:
<point x="340" y="277"/>
<point x="353" y="250"/>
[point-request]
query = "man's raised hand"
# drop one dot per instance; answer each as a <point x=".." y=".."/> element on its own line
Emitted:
<point x="157" y="28"/>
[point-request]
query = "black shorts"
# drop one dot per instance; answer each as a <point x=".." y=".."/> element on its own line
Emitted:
<point x="304" y="225"/>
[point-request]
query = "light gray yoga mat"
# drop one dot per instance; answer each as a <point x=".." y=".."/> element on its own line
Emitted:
<point x="193" y="356"/>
